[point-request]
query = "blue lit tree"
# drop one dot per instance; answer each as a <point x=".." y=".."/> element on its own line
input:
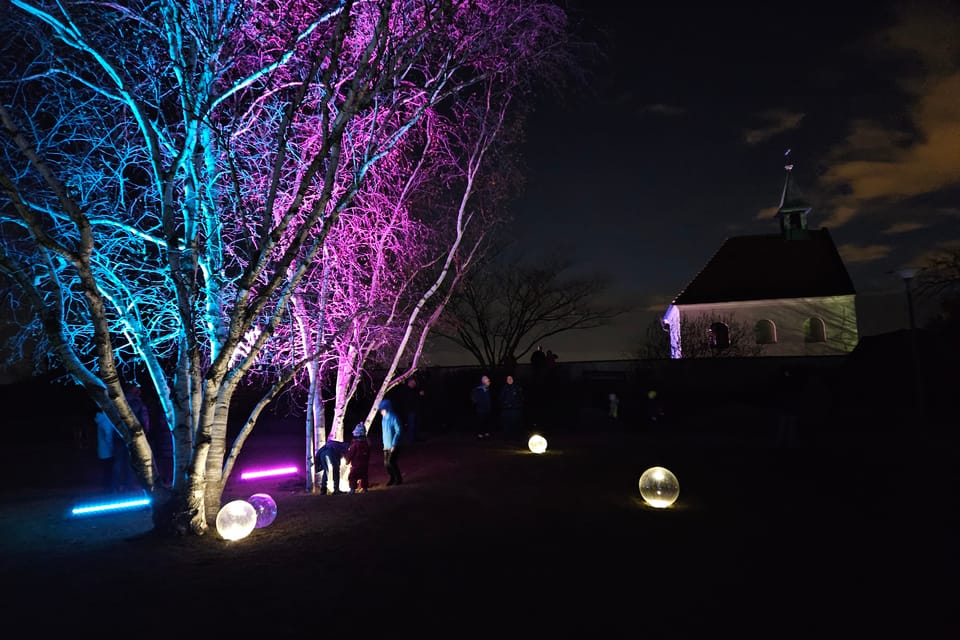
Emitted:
<point x="174" y="172"/>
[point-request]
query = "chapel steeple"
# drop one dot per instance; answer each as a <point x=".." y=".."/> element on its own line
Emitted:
<point x="793" y="209"/>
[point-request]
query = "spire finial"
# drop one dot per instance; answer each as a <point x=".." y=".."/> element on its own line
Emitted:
<point x="786" y="158"/>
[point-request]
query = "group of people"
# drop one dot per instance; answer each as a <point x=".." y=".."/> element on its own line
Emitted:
<point x="508" y="405"/>
<point x="357" y="455"/>
<point x="397" y="433"/>
<point x="116" y="471"/>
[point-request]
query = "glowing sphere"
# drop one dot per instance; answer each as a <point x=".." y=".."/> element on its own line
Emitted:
<point x="537" y="443"/>
<point x="659" y="487"/>
<point x="236" y="520"/>
<point x="266" y="509"/>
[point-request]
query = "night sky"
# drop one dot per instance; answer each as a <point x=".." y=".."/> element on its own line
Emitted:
<point x="678" y="141"/>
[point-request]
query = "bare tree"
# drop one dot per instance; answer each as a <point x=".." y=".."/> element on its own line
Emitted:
<point x="504" y="310"/>
<point x="719" y="336"/>
<point x="413" y="229"/>
<point x="656" y="342"/>
<point x="939" y="279"/>
<point x="172" y="173"/>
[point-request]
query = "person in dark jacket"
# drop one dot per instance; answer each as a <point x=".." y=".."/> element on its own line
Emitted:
<point x="411" y="403"/>
<point x="511" y="408"/>
<point x="482" y="399"/>
<point x="358" y="457"/>
<point x="328" y="459"/>
<point x="135" y="399"/>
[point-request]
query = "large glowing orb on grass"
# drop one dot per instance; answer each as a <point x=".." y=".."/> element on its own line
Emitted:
<point x="659" y="487"/>
<point x="236" y="520"/>
<point x="537" y="443"/>
<point x="266" y="509"/>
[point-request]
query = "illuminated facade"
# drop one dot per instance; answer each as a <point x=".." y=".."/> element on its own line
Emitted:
<point x="784" y="294"/>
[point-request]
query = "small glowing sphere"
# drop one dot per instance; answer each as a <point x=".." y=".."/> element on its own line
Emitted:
<point x="236" y="520"/>
<point x="659" y="487"/>
<point x="266" y="509"/>
<point x="537" y="443"/>
<point x="652" y="394"/>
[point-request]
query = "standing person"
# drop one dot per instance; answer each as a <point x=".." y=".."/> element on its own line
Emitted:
<point x="614" y="410"/>
<point x="358" y="457"/>
<point x="105" y="433"/>
<point x="511" y="408"/>
<point x="329" y="456"/>
<point x="412" y="405"/>
<point x="538" y="360"/>
<point x="482" y="399"/>
<point x="122" y="477"/>
<point x="138" y="406"/>
<point x="134" y="395"/>
<point x="390" y="428"/>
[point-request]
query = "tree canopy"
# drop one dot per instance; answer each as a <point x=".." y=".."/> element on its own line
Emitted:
<point x="188" y="186"/>
<point x="503" y="311"/>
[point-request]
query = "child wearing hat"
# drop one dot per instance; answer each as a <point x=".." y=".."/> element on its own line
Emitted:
<point x="358" y="457"/>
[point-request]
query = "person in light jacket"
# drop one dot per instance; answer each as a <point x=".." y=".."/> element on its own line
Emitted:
<point x="390" y="426"/>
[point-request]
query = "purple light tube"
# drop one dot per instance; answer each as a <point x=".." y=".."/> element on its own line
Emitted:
<point x="268" y="473"/>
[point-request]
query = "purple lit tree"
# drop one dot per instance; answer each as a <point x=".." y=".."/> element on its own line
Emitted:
<point x="183" y="180"/>
<point x="410" y="234"/>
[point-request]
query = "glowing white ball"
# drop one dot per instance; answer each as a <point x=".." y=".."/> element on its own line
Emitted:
<point x="659" y="487"/>
<point x="266" y="509"/>
<point x="236" y="520"/>
<point x="537" y="443"/>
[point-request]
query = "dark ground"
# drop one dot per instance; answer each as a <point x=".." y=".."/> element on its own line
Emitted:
<point x="844" y="537"/>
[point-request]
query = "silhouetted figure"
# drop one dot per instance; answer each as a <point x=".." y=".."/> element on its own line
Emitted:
<point x="329" y="457"/>
<point x="656" y="412"/>
<point x="511" y="408"/>
<point x="614" y="409"/>
<point x="138" y="406"/>
<point x="538" y="360"/>
<point x="358" y="457"/>
<point x="482" y="399"/>
<point x="105" y="441"/>
<point x="411" y="403"/>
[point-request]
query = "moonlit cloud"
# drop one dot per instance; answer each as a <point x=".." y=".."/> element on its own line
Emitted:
<point x="662" y="110"/>
<point x="777" y="122"/>
<point x="766" y="213"/>
<point x="883" y="165"/>
<point x="903" y="227"/>
<point x="853" y="254"/>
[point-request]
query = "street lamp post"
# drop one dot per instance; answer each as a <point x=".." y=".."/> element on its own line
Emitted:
<point x="908" y="274"/>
